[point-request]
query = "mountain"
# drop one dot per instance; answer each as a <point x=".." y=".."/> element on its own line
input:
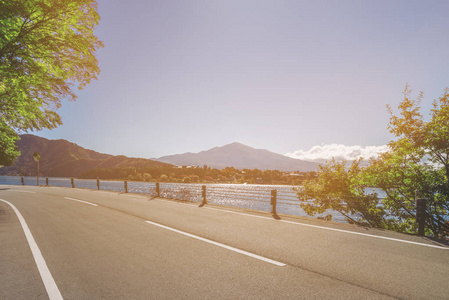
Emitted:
<point x="240" y="156"/>
<point x="61" y="158"/>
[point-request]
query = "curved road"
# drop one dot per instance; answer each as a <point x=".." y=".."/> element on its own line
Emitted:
<point x="105" y="245"/>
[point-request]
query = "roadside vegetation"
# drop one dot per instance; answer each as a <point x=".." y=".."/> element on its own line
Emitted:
<point x="205" y="174"/>
<point x="46" y="49"/>
<point x="416" y="166"/>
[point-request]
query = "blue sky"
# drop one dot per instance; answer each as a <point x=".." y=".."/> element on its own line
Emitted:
<point x="186" y="76"/>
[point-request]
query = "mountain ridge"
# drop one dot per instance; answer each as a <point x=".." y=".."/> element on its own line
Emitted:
<point x="240" y="156"/>
<point x="62" y="158"/>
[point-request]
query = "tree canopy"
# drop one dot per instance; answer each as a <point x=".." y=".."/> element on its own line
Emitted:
<point x="46" y="48"/>
<point x="416" y="166"/>
<point x="168" y="173"/>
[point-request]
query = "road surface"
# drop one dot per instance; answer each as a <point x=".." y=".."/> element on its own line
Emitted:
<point x="107" y="245"/>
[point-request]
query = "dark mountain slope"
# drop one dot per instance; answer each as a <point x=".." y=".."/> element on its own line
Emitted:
<point x="241" y="157"/>
<point x="65" y="159"/>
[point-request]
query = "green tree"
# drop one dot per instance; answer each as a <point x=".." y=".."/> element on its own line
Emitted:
<point x="339" y="189"/>
<point x="46" y="48"/>
<point x="147" y="177"/>
<point x="37" y="158"/>
<point x="8" y="148"/>
<point x="416" y="165"/>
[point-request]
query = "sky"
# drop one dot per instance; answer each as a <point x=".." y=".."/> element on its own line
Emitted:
<point x="293" y="77"/>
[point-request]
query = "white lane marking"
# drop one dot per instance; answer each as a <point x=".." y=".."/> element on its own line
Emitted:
<point x="20" y="191"/>
<point x="328" y="228"/>
<point x="220" y="245"/>
<point x="73" y="199"/>
<point x="49" y="282"/>
<point x="368" y="235"/>
<point x="334" y="229"/>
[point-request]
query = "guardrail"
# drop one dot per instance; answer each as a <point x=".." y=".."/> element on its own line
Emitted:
<point x="259" y="197"/>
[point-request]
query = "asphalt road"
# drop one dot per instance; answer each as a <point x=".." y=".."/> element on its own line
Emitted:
<point x="133" y="247"/>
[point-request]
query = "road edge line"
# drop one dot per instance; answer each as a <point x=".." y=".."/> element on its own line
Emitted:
<point x="49" y="283"/>
<point x="329" y="228"/>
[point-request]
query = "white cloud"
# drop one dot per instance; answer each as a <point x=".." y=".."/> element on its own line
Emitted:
<point x="339" y="152"/>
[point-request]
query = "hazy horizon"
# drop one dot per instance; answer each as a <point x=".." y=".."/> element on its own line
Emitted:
<point x="318" y="154"/>
<point x="293" y="77"/>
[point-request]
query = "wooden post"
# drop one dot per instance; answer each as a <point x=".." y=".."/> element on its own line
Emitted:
<point x="126" y="186"/>
<point x="421" y="215"/>
<point x="203" y="194"/>
<point x="158" y="189"/>
<point x="98" y="184"/>
<point x="23" y="182"/>
<point x="46" y="181"/>
<point x="274" y="195"/>
<point x="73" y="183"/>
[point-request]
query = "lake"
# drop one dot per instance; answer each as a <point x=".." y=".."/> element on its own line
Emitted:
<point x="250" y="196"/>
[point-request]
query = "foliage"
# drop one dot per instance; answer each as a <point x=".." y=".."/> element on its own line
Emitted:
<point x="46" y="47"/>
<point x="337" y="188"/>
<point x="36" y="156"/>
<point x="416" y="165"/>
<point x="169" y="173"/>
<point x="146" y="177"/>
<point x="8" y="147"/>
